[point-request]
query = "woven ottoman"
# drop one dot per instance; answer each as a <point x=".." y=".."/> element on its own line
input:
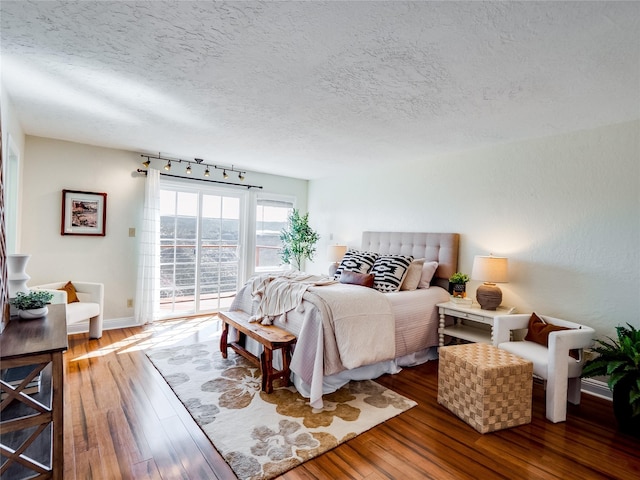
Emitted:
<point x="488" y="388"/>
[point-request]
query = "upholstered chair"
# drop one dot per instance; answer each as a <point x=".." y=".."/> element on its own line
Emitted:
<point x="553" y="363"/>
<point x="90" y="304"/>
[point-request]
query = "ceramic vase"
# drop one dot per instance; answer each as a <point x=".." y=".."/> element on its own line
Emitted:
<point x="622" y="408"/>
<point x="16" y="275"/>
<point x="458" y="289"/>
<point x="33" y="313"/>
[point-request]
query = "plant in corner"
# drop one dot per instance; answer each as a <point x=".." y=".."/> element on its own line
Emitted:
<point x="458" y="284"/>
<point x="298" y="240"/>
<point x="32" y="304"/>
<point x="620" y="361"/>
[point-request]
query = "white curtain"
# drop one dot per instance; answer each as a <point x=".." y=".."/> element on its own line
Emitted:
<point x="148" y="284"/>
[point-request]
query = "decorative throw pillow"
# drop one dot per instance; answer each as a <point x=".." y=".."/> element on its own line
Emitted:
<point x="356" y="261"/>
<point x="412" y="279"/>
<point x="389" y="272"/>
<point x="72" y="296"/>
<point x="538" y="331"/>
<point x="428" y="271"/>
<point x="355" y="278"/>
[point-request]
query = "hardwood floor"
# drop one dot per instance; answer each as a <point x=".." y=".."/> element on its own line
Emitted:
<point x="123" y="421"/>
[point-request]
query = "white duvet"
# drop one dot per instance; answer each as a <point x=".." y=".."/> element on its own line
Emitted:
<point x="351" y="332"/>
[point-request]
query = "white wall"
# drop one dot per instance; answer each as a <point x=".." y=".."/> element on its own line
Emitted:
<point x="565" y="210"/>
<point x="51" y="166"/>
<point x="12" y="154"/>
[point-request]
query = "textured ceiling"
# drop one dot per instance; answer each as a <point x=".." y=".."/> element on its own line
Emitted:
<point x="306" y="89"/>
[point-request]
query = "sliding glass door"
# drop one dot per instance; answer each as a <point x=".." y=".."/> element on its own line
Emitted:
<point x="200" y="248"/>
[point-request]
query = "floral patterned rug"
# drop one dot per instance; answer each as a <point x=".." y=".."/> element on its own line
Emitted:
<point x="259" y="435"/>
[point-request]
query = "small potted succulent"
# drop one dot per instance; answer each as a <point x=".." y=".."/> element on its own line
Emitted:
<point x="458" y="284"/>
<point x="619" y="360"/>
<point x="33" y="304"/>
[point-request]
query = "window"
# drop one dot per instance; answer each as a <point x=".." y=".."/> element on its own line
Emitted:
<point x="200" y="245"/>
<point x="272" y="213"/>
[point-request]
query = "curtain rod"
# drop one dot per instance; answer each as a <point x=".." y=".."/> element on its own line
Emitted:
<point x="204" y="180"/>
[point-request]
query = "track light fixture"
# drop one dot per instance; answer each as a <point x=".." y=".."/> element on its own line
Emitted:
<point x="226" y="170"/>
<point x="198" y="161"/>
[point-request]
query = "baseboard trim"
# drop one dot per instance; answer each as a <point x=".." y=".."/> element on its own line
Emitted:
<point x="597" y="388"/>
<point x="110" y="324"/>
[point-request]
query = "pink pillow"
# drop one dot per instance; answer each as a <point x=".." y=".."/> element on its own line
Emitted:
<point x="428" y="270"/>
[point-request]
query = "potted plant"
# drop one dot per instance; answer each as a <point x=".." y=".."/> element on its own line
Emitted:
<point x="458" y="284"/>
<point x="298" y="240"/>
<point x="33" y="304"/>
<point x="620" y="361"/>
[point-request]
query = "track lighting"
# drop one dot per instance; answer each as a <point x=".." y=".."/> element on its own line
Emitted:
<point x="226" y="171"/>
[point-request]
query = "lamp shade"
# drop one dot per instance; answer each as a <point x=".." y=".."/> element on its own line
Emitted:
<point x="490" y="269"/>
<point x="336" y="252"/>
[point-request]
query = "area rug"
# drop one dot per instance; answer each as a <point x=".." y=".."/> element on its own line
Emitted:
<point x="261" y="436"/>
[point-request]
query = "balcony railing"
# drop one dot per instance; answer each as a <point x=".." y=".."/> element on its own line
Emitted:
<point x="179" y="292"/>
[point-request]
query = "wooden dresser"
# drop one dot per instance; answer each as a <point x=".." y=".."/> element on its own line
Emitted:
<point x="31" y="426"/>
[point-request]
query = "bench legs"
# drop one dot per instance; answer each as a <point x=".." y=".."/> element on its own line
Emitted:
<point x="269" y="374"/>
<point x="223" y="339"/>
<point x="266" y="365"/>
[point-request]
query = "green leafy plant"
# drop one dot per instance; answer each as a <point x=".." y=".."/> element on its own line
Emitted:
<point x="620" y="360"/>
<point x="298" y="240"/>
<point x="31" y="300"/>
<point x="459" y="278"/>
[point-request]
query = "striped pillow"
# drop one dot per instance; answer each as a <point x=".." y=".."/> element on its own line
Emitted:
<point x="389" y="271"/>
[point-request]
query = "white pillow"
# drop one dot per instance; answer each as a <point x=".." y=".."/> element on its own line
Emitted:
<point x="428" y="270"/>
<point x="412" y="280"/>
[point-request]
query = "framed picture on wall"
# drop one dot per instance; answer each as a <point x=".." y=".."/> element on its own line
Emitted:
<point x="83" y="213"/>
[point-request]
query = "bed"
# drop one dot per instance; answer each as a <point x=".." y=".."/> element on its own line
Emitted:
<point x="347" y="332"/>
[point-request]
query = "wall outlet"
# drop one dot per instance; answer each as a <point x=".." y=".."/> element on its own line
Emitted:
<point x="132" y="232"/>
<point x="129" y="302"/>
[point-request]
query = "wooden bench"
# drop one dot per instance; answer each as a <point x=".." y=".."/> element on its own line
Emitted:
<point x="269" y="336"/>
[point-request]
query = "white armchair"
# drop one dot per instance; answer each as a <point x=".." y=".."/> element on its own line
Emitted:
<point x="552" y="363"/>
<point x="90" y="307"/>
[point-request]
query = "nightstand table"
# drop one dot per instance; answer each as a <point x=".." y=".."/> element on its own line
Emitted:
<point x="474" y="318"/>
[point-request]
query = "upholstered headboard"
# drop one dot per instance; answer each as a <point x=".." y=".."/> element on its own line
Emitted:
<point x="439" y="247"/>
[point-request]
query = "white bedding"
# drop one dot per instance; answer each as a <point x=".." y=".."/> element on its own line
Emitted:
<point x="414" y="312"/>
<point x="315" y="371"/>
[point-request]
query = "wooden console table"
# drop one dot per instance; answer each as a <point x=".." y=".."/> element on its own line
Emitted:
<point x="40" y="343"/>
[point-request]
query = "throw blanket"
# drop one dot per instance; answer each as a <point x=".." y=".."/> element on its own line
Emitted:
<point x="338" y="326"/>
<point x="277" y="294"/>
<point x="357" y="322"/>
<point x="349" y="326"/>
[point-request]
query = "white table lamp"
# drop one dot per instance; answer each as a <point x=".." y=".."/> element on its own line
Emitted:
<point x="490" y="270"/>
<point x="335" y="253"/>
